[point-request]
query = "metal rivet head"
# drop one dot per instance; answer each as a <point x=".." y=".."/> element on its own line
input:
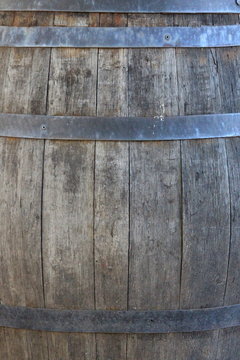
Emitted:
<point x="43" y="127"/>
<point x="167" y="37"/>
<point x="238" y="2"/>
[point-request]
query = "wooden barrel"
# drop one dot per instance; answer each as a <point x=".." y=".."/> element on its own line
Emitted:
<point x="119" y="225"/>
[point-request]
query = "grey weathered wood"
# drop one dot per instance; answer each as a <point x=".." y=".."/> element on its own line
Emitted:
<point x="206" y="223"/>
<point x="150" y="193"/>
<point x="155" y="230"/>
<point x="227" y="63"/>
<point x="6" y="19"/>
<point x="229" y="79"/>
<point x="20" y="198"/>
<point x="111" y="230"/>
<point x="152" y="74"/>
<point x="229" y="340"/>
<point x="76" y="70"/>
<point x="20" y="215"/>
<point x="68" y="237"/>
<point x="157" y="347"/>
<point x="68" y="196"/>
<point x="170" y="346"/>
<point x="206" y="212"/>
<point x="71" y="346"/>
<point x="24" y="75"/>
<point x="161" y="82"/>
<point x="67" y="225"/>
<point x="197" y="73"/>
<point x="155" y="196"/>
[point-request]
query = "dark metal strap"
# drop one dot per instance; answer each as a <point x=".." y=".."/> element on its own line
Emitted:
<point x="96" y="321"/>
<point x="121" y="128"/>
<point x="124" y="6"/>
<point x="132" y="37"/>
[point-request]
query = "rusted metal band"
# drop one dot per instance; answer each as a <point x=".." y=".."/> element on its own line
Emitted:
<point x="123" y="6"/>
<point x="96" y="321"/>
<point x="120" y="128"/>
<point x="120" y="37"/>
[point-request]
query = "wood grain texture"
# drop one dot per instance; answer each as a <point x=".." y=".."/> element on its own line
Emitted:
<point x="138" y="226"/>
<point x="152" y="75"/>
<point x="206" y="198"/>
<point x="68" y="260"/>
<point x="155" y="229"/>
<point x="155" y="197"/>
<point x="171" y="346"/>
<point x="111" y="230"/>
<point x="76" y="71"/>
<point x="67" y="225"/>
<point x="206" y="224"/>
<point x="68" y="239"/>
<point x="229" y="340"/>
<point x="227" y="62"/>
<point x="21" y="186"/>
<point x="229" y="78"/>
<point x="197" y="73"/>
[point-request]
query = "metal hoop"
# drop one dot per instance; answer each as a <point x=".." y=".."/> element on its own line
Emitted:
<point x="120" y="128"/>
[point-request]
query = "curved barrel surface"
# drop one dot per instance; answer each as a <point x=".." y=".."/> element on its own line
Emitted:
<point x="127" y="230"/>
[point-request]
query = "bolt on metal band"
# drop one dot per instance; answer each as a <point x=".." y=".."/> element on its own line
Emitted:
<point x="132" y="37"/>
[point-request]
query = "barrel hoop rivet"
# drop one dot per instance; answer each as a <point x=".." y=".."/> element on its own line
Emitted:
<point x="167" y="37"/>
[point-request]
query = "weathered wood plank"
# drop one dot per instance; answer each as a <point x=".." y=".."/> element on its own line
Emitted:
<point x="155" y="229"/>
<point x="206" y="227"/>
<point x="71" y="346"/>
<point x="24" y="75"/>
<point x="153" y="91"/>
<point x="67" y="225"/>
<point x="229" y="78"/>
<point x="155" y="241"/>
<point x="157" y="347"/>
<point x="20" y="280"/>
<point x="68" y="238"/>
<point x="227" y="63"/>
<point x="20" y="216"/>
<point x="170" y="346"/>
<point x="76" y="71"/>
<point x="68" y="260"/>
<point x="152" y="74"/>
<point x="6" y="19"/>
<point x="197" y="73"/>
<point x="112" y="194"/>
<point x="111" y="225"/>
<point x="229" y="340"/>
<point x="206" y="215"/>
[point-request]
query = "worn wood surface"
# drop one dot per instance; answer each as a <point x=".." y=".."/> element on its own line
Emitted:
<point x="24" y="77"/>
<point x="205" y="193"/>
<point x="155" y="179"/>
<point x="117" y="225"/>
<point x="229" y="79"/>
<point x="205" y="187"/>
<point x="111" y="205"/>
<point x="68" y="259"/>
